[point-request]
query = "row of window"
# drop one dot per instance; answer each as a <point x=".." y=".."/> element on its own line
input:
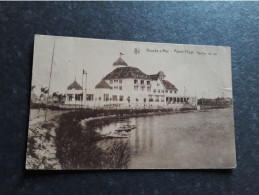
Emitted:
<point x="121" y="98"/>
<point x="113" y="98"/>
<point x="79" y="97"/>
<point x="117" y="87"/>
<point x="164" y="91"/>
<point x="142" y="82"/>
<point x="142" y="88"/>
<point x="116" y="81"/>
<point x="106" y="97"/>
<point x="177" y="100"/>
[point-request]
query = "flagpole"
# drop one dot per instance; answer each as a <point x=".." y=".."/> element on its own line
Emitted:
<point x="50" y="80"/>
<point x="85" y="86"/>
<point x="82" y="90"/>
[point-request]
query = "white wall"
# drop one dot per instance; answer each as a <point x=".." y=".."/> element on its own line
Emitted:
<point x="128" y="91"/>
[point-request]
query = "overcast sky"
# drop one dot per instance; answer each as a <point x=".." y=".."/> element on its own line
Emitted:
<point x="186" y="66"/>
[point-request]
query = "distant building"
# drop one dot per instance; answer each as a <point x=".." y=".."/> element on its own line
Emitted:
<point x="74" y="94"/>
<point x="128" y="87"/>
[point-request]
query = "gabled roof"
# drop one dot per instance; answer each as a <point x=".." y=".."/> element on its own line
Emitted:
<point x="75" y="85"/>
<point x="169" y="85"/>
<point x="120" y="61"/>
<point x="102" y="85"/>
<point x="156" y="76"/>
<point x="161" y="73"/>
<point x="126" y="72"/>
<point x="153" y="76"/>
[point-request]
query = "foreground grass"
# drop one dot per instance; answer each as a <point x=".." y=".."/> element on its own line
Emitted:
<point x="77" y="145"/>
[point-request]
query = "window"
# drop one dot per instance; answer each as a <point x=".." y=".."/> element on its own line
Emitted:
<point x="120" y="87"/>
<point x="116" y="87"/>
<point x="70" y="97"/>
<point x="162" y="91"/>
<point x="135" y="81"/>
<point x="158" y="84"/>
<point x="154" y="90"/>
<point x="166" y="91"/>
<point x="89" y="97"/>
<point x="148" y="89"/>
<point x="162" y="99"/>
<point x="142" y="88"/>
<point x="106" y="97"/>
<point x="120" y="81"/>
<point x="142" y="82"/>
<point x="157" y="98"/>
<point x="121" y="98"/>
<point x="114" y="98"/>
<point x="78" y="97"/>
<point x="158" y="90"/>
<point x="148" y="82"/>
<point x="115" y="81"/>
<point x="171" y="91"/>
<point x="135" y="88"/>
<point x="111" y="81"/>
<point x="175" y="92"/>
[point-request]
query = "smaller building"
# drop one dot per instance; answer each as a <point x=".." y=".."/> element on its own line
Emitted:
<point x="74" y="95"/>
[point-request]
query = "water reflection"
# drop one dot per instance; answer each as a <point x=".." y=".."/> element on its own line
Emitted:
<point x="178" y="140"/>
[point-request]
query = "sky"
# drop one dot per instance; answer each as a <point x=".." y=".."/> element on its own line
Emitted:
<point x="203" y="71"/>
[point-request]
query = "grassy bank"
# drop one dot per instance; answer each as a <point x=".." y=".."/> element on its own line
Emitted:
<point x="77" y="146"/>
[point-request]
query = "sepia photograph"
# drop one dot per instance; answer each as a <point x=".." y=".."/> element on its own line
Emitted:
<point x="111" y="104"/>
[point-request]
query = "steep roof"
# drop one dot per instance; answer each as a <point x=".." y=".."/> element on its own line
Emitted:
<point x="120" y="61"/>
<point x="126" y="72"/>
<point x="75" y="85"/>
<point x="156" y="76"/>
<point x="169" y="85"/>
<point x="102" y="85"/>
<point x="153" y="76"/>
<point x="161" y="73"/>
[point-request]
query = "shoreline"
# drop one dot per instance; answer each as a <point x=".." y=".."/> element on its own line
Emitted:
<point x="42" y="151"/>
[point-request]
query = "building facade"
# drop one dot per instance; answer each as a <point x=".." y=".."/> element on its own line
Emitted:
<point x="127" y="87"/>
<point x="74" y="95"/>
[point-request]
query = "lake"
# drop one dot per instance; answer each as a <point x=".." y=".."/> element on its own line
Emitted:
<point x="179" y="140"/>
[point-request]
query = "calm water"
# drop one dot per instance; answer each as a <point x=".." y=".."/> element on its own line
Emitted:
<point x="179" y="140"/>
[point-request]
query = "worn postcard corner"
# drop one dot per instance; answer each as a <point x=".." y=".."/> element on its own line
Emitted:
<point x="107" y="104"/>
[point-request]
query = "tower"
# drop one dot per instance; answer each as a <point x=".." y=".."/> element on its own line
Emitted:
<point x="120" y="62"/>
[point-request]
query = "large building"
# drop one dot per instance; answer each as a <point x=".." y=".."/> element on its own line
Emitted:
<point x="128" y="87"/>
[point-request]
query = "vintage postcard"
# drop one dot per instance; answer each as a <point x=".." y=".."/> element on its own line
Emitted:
<point x="109" y="104"/>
